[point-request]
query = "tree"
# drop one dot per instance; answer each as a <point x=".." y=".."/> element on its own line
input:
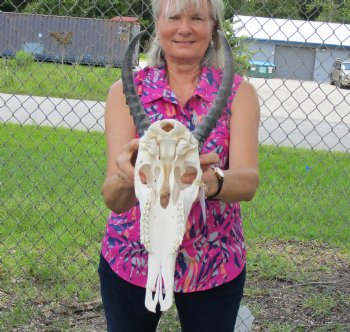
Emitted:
<point x="267" y="8"/>
<point x="13" y="5"/>
<point x="332" y="10"/>
<point x="321" y="10"/>
<point x="308" y="11"/>
<point x="240" y="49"/>
<point x="77" y="8"/>
<point x="62" y="40"/>
<point x="92" y="9"/>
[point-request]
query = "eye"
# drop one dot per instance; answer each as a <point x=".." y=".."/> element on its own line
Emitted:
<point x="173" y="17"/>
<point x="197" y="18"/>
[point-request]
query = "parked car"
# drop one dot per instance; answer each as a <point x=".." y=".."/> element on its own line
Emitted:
<point x="340" y="73"/>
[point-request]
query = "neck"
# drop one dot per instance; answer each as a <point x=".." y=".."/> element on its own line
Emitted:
<point x="183" y="74"/>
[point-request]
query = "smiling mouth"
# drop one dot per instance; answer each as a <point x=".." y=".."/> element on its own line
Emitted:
<point x="184" y="42"/>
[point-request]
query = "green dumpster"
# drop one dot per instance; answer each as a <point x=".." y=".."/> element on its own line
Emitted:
<point x="264" y="69"/>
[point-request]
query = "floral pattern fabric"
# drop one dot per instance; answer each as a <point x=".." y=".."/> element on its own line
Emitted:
<point x="213" y="249"/>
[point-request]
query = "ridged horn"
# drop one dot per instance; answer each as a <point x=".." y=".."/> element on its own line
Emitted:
<point x="139" y="115"/>
<point x="203" y="130"/>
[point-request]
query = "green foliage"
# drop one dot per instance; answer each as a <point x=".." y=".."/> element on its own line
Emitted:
<point x="24" y="60"/>
<point x="240" y="49"/>
<point x="320" y="10"/>
<point x="12" y="5"/>
<point x="331" y="10"/>
<point x="6" y="73"/>
<point x="10" y="69"/>
<point x="85" y="8"/>
<point x="266" y="8"/>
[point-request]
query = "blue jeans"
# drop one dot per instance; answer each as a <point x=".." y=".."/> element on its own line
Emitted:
<point x="205" y="311"/>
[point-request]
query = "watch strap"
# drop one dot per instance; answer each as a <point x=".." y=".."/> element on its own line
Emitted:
<point x="220" y="183"/>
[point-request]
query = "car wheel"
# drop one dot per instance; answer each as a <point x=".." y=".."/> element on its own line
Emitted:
<point x="338" y="84"/>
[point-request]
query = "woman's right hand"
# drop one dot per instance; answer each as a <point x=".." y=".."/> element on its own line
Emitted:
<point x="126" y="163"/>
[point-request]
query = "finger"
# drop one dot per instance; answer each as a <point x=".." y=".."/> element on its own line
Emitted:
<point x="133" y="144"/>
<point x="126" y="161"/>
<point x="208" y="159"/>
<point x="188" y="178"/>
<point x="133" y="149"/>
<point x="125" y="169"/>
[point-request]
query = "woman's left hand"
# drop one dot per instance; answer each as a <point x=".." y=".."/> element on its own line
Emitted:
<point x="208" y="178"/>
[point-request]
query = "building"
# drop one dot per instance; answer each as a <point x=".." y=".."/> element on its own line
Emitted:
<point x="301" y="50"/>
<point x="69" y="39"/>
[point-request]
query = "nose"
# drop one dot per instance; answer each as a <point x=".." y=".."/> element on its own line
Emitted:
<point x="185" y="26"/>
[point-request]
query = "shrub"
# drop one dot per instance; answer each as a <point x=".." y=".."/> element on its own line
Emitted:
<point x="24" y="59"/>
<point x="239" y="46"/>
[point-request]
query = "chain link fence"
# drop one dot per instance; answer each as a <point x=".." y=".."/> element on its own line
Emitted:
<point x="58" y="59"/>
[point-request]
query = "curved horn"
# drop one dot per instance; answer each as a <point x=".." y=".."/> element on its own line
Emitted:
<point x="203" y="130"/>
<point x="132" y="99"/>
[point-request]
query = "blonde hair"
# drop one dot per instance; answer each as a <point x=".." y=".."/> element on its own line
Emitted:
<point x="213" y="57"/>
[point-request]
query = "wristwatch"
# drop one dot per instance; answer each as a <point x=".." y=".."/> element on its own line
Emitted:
<point x="220" y="176"/>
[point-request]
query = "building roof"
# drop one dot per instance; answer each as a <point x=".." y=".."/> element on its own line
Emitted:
<point x="292" y="31"/>
<point x="125" y="19"/>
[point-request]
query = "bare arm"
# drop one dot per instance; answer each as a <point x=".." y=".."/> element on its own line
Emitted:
<point x="118" y="188"/>
<point x="242" y="178"/>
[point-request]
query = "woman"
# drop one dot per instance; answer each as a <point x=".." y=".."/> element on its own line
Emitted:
<point x="181" y="82"/>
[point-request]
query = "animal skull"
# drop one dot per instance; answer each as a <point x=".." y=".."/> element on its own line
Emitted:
<point x="167" y="150"/>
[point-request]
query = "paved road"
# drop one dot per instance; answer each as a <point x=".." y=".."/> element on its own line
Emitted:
<point x="70" y="113"/>
<point x="293" y="113"/>
<point x="304" y="114"/>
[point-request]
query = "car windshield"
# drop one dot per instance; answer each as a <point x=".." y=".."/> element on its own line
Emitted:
<point x="346" y="66"/>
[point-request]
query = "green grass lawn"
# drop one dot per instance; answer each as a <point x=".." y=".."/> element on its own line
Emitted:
<point x="303" y="195"/>
<point x="53" y="216"/>
<point x="57" y="80"/>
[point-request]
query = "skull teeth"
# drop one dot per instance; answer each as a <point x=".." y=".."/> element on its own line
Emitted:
<point x="144" y="227"/>
<point x="180" y="227"/>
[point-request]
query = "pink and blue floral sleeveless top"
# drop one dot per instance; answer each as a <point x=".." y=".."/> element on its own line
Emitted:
<point x="213" y="250"/>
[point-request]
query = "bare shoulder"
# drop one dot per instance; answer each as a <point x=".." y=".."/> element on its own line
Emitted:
<point x="116" y="102"/>
<point x="116" y="90"/>
<point x="117" y="113"/>
<point x="246" y="89"/>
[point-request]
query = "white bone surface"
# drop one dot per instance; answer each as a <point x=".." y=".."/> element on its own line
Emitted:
<point x="166" y="151"/>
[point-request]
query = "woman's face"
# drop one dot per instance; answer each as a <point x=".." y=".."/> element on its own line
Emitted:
<point x="185" y="36"/>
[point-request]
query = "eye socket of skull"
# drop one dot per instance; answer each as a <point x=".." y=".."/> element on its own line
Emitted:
<point x="145" y="174"/>
<point x="190" y="173"/>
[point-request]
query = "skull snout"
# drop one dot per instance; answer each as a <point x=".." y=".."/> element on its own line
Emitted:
<point x="167" y="126"/>
<point x="164" y="193"/>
